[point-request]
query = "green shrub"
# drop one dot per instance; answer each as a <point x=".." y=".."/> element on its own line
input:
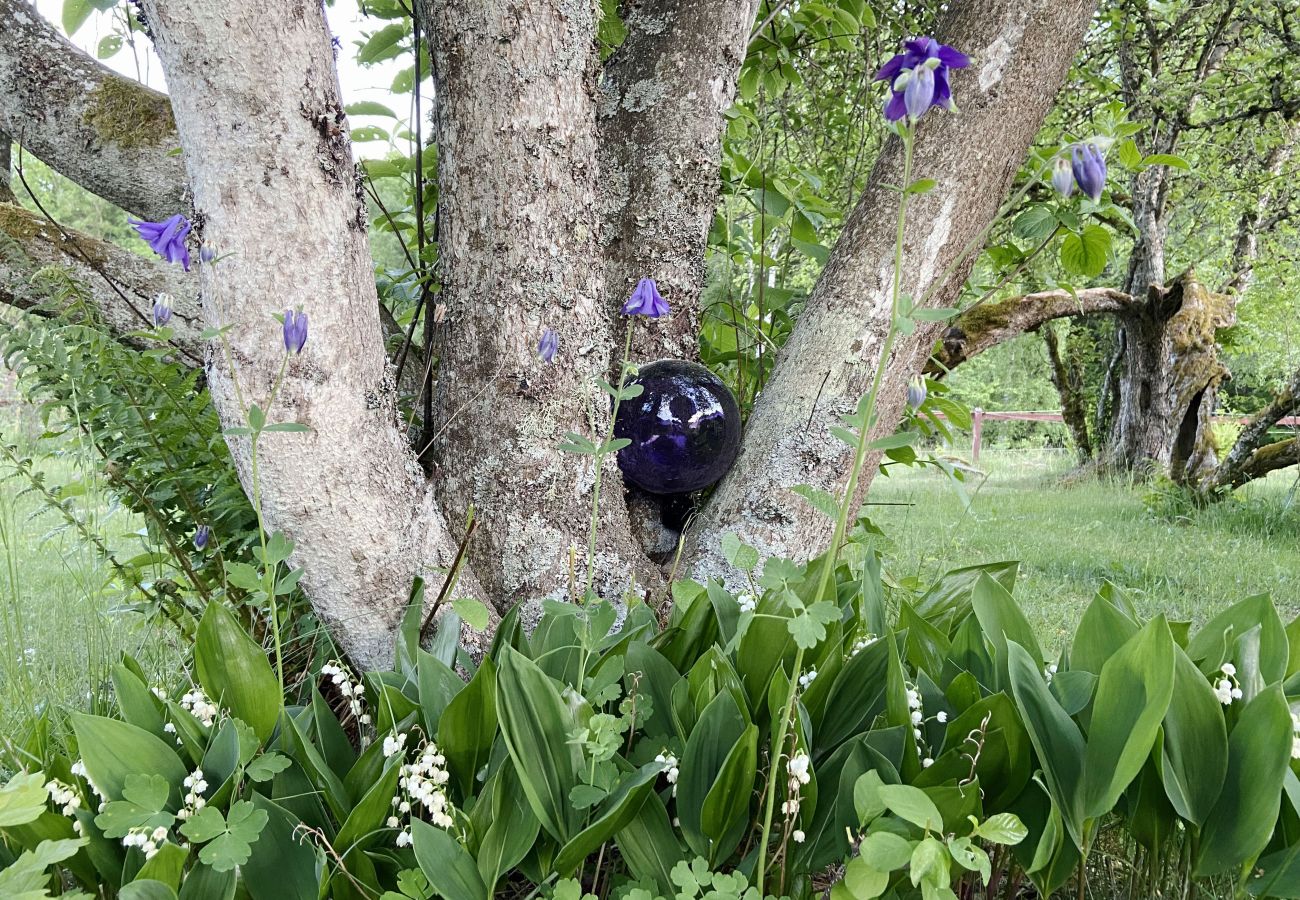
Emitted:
<point x="932" y="750"/>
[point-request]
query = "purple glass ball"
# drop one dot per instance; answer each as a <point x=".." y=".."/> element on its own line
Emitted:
<point x="684" y="428"/>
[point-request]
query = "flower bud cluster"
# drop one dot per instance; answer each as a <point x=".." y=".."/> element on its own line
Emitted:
<point x="148" y="841"/>
<point x="1295" y="736"/>
<point x="64" y="796"/>
<point x="350" y="687"/>
<point x="1227" y="688"/>
<point x="197" y="704"/>
<point x="669" y="762"/>
<point x="862" y="643"/>
<point x="421" y="788"/>
<point x="195" y="787"/>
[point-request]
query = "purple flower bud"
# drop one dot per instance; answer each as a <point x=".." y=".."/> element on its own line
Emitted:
<point x="295" y="331"/>
<point x="162" y="309"/>
<point x="645" y="300"/>
<point x="207" y="254"/>
<point x="918" y="78"/>
<point x="201" y="536"/>
<point x="1063" y="177"/>
<point x="1089" y="169"/>
<point x="167" y="238"/>
<point x="916" y="392"/>
<point x="548" y="345"/>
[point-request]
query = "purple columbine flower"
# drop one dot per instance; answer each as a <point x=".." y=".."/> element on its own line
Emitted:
<point x="162" y="309"/>
<point x="916" y="392"/>
<point x="646" y="301"/>
<point x="167" y="238"/>
<point x="206" y="254"/>
<point x="202" y="534"/>
<point x="918" y="78"/>
<point x="1089" y="169"/>
<point x="1063" y="176"/>
<point x="548" y="345"/>
<point x="295" y="331"/>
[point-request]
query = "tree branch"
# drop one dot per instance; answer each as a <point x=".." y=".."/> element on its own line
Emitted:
<point x="291" y="230"/>
<point x="29" y="243"/>
<point x="988" y="325"/>
<point x="109" y="134"/>
<point x="663" y="95"/>
<point x="1250" y="456"/>
<point x="1021" y="54"/>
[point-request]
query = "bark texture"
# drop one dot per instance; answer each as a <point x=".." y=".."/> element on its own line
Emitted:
<point x="662" y="97"/>
<point x="1067" y="381"/>
<point x="29" y="243"/>
<point x="113" y="136"/>
<point x="269" y="161"/>
<point x="1021" y="53"/>
<point x="988" y="325"/>
<point x="1251" y="456"/>
<point x="519" y="245"/>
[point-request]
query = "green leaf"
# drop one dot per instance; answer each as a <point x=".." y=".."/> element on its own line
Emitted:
<point x="822" y="501"/>
<point x="75" y="14"/>
<point x="1086" y="254"/>
<point x="894" y="441"/>
<point x="726" y="807"/>
<point x="1132" y="697"/>
<point x="863" y="881"/>
<point x="468" y="726"/>
<point x="383" y="44"/>
<point x="361" y="829"/>
<point x="1194" y="751"/>
<point x="369" y="108"/>
<point x="912" y="804"/>
<point x="282" y="865"/>
<point x="534" y="723"/>
<point x="447" y="864"/>
<point x="227" y="841"/>
<point x="22" y="799"/>
<point x="921" y="186"/>
<point x="618" y="810"/>
<point x="719" y="729"/>
<point x="1034" y="224"/>
<point x="1167" y="159"/>
<point x="113" y="751"/>
<point x="1259" y="756"/>
<point x="885" y="850"/>
<point x="474" y="612"/>
<point x="147" y="889"/>
<point x="808" y="628"/>
<point x="1002" y="621"/>
<point x="1055" y="737"/>
<point x="1129" y="155"/>
<point x="267" y="766"/>
<point x="143" y="806"/>
<point x="512" y="832"/>
<point x="109" y="45"/>
<point x="1002" y="828"/>
<point x="234" y="670"/>
<point x="969" y="856"/>
<point x="292" y="427"/>
<point x="738" y="553"/>
<point x="867" y="802"/>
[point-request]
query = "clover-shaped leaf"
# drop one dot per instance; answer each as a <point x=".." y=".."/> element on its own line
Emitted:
<point x="143" y="805"/>
<point x="228" y="840"/>
<point x="267" y="766"/>
<point x="809" y="627"/>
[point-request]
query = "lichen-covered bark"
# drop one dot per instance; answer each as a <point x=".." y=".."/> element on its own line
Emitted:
<point x="1021" y="52"/>
<point x="1251" y="456"/>
<point x="29" y="242"/>
<point x="519" y="245"/>
<point x="270" y="165"/>
<point x="988" y="325"/>
<point x="1258" y="462"/>
<point x="1065" y="378"/>
<point x="113" y="136"/>
<point x="662" y="96"/>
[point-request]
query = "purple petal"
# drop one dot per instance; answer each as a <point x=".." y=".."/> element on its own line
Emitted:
<point x="919" y="93"/>
<point x="896" y="108"/>
<point x="891" y="68"/>
<point x="919" y="46"/>
<point x="953" y="59"/>
<point x="942" y="90"/>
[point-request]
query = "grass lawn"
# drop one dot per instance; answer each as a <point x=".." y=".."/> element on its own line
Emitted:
<point x="1070" y="537"/>
<point x="61" y="627"/>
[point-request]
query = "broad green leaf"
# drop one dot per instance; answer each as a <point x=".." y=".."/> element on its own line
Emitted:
<point x="738" y="553"/>
<point x="885" y="850"/>
<point x="167" y="866"/>
<point x="1103" y="629"/>
<point x="1055" y="737"/>
<point x="267" y="766"/>
<point x="1207" y="645"/>
<point x="282" y="865"/>
<point x="468" y="726"/>
<point x="1167" y="159"/>
<point x="1259" y="756"/>
<point x="649" y="845"/>
<point x="512" y="832"/>
<point x="143" y="805"/>
<point x="447" y="864"/>
<point x="234" y="671"/>
<point x="383" y="44"/>
<point x="1194" y="749"/>
<point x="474" y="612"/>
<point x="1132" y="697"/>
<point x="1034" y="224"/>
<point x="147" y="889"/>
<point x="1002" y="828"/>
<point x="112" y="751"/>
<point x="361" y="829"/>
<point x="719" y="729"/>
<point x="617" y="811"/>
<point x="863" y="881"/>
<point x="1002" y="621"/>
<point x="912" y="804"/>
<point x="1086" y="254"/>
<point x="227" y="840"/>
<point x="369" y="108"/>
<point x="534" y="725"/>
<point x="726" y="807"/>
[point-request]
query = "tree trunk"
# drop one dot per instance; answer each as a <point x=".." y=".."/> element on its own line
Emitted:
<point x="276" y="192"/>
<point x="1065" y="379"/>
<point x="1021" y="53"/>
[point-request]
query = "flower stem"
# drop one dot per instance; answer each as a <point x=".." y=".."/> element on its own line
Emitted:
<point x="869" y="412"/>
<point x="268" y="571"/>
<point x="600" y="458"/>
<point x="778" y="741"/>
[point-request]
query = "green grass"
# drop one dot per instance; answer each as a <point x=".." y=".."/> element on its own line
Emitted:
<point x="62" y="620"/>
<point x="1072" y="535"/>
